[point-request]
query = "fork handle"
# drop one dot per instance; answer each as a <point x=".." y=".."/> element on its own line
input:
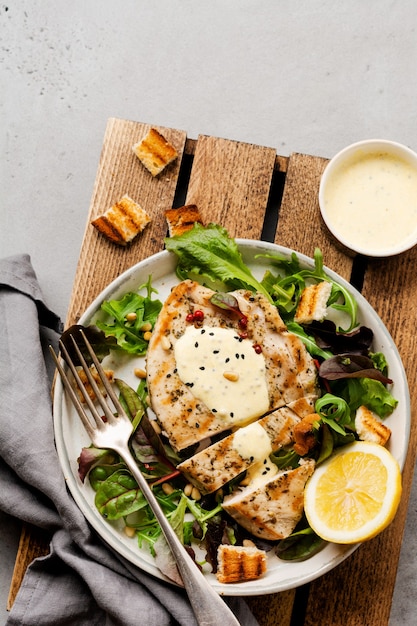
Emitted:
<point x="209" y="608"/>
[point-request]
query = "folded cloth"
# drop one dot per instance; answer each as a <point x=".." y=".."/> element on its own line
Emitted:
<point x="82" y="581"/>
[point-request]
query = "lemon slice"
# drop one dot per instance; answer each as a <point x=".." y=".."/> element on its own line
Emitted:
<point x="353" y="495"/>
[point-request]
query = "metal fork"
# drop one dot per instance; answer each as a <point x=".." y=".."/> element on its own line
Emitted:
<point x="114" y="433"/>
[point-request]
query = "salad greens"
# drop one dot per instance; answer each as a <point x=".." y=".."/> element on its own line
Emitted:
<point x="133" y="315"/>
<point x="208" y="254"/>
<point x="286" y="289"/>
<point x="349" y="373"/>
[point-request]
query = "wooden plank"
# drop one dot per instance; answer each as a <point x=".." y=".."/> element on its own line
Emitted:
<point x="230" y="184"/>
<point x="34" y="542"/>
<point x="389" y="286"/>
<point x="386" y="284"/>
<point x="300" y="226"/>
<point x="273" y="609"/>
<point x="120" y="172"/>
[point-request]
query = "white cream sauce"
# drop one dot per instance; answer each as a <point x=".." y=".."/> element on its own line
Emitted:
<point x="372" y="201"/>
<point x="253" y="443"/>
<point x="223" y="370"/>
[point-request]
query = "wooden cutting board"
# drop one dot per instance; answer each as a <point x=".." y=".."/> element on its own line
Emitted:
<point x="255" y="194"/>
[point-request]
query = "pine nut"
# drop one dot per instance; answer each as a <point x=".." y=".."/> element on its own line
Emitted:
<point x="146" y="326"/>
<point x="130" y="317"/>
<point x="248" y="543"/>
<point x="129" y="531"/>
<point x="165" y="343"/>
<point x="147" y="336"/>
<point x="156" y="427"/>
<point x="139" y="372"/>
<point x="232" y="376"/>
<point x="195" y="494"/>
<point x="188" y="489"/>
<point x="167" y="489"/>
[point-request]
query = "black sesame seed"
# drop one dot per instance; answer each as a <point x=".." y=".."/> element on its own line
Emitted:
<point x="214" y="410"/>
<point x="227" y="360"/>
<point x="211" y="334"/>
<point x="203" y="331"/>
<point x="197" y="425"/>
<point x="237" y="355"/>
<point x="232" y="414"/>
<point x="202" y="368"/>
<point x="196" y="344"/>
<point x="216" y="351"/>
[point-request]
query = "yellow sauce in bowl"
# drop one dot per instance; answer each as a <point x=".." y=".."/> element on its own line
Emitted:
<point x="368" y="199"/>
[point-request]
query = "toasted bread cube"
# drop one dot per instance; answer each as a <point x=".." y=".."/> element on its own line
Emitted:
<point x="122" y="221"/>
<point x="313" y="303"/>
<point x="155" y="152"/>
<point x="182" y="219"/>
<point x="240" y="563"/>
<point x="370" y="428"/>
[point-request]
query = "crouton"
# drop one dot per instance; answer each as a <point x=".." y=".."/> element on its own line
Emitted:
<point x="370" y="428"/>
<point x="313" y="303"/>
<point x="240" y="563"/>
<point x="182" y="219"/>
<point x="155" y="152"/>
<point x="122" y="221"/>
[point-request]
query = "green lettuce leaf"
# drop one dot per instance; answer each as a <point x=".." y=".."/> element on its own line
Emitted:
<point x="208" y="254"/>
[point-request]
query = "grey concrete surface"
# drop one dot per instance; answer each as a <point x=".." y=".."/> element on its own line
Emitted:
<point x="303" y="76"/>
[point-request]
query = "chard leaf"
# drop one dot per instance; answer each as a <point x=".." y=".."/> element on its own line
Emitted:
<point x="328" y="337"/>
<point x="351" y="366"/>
<point x="90" y="457"/>
<point x="165" y="561"/>
<point x="100" y="343"/>
<point x="210" y="253"/>
<point x="119" y="496"/>
<point x="299" y="545"/>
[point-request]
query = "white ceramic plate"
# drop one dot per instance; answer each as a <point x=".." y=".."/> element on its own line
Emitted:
<point x="70" y="435"/>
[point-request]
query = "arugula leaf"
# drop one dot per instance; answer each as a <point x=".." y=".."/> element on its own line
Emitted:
<point x="286" y="291"/>
<point x="333" y="411"/>
<point x="210" y="254"/>
<point x="308" y="341"/>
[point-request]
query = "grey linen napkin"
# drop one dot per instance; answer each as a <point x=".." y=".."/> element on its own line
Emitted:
<point x="82" y="581"/>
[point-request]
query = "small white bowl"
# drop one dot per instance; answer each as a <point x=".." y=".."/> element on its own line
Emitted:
<point x="368" y="197"/>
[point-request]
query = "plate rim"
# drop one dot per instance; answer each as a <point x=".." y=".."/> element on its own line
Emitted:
<point x="103" y="528"/>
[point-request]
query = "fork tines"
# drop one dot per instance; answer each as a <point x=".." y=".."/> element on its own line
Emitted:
<point x="98" y="419"/>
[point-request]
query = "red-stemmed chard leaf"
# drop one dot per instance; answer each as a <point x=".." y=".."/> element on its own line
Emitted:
<point x="328" y="337"/>
<point x="351" y="366"/>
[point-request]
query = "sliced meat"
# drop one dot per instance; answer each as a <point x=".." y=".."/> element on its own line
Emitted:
<point x="224" y="460"/>
<point x="271" y="510"/>
<point x="290" y="372"/>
